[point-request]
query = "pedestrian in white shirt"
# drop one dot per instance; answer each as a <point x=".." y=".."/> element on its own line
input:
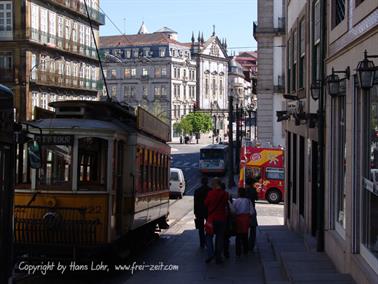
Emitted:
<point x="243" y="209"/>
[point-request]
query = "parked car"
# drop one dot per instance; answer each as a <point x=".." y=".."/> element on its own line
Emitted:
<point x="176" y="183"/>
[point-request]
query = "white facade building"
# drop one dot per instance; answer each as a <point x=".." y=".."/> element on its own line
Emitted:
<point x="151" y="70"/>
<point x="168" y="78"/>
<point x="212" y="81"/>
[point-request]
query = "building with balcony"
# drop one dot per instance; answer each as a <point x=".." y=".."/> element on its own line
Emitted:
<point x="47" y="52"/>
<point x="269" y="32"/>
<point x="331" y="167"/>
<point x="152" y="70"/>
<point x="167" y="77"/>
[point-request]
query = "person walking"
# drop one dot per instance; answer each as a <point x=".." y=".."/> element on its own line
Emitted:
<point x="216" y="203"/>
<point x="227" y="232"/>
<point x="243" y="210"/>
<point x="200" y="210"/>
<point x="251" y="194"/>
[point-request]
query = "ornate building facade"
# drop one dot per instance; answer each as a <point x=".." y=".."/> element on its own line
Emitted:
<point x="167" y="77"/>
<point x="212" y="80"/>
<point x="151" y="70"/>
<point x="47" y="52"/>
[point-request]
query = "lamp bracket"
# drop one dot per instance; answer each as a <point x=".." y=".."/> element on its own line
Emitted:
<point x="369" y="56"/>
<point x="346" y="72"/>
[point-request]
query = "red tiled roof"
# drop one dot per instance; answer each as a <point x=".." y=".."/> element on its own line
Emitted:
<point x="251" y="53"/>
<point x="136" y="40"/>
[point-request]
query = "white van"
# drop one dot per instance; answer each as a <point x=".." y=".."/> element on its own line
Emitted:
<point x="177" y="183"/>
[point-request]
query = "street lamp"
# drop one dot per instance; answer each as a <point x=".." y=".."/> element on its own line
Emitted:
<point x="366" y="71"/>
<point x="315" y="89"/>
<point x="250" y="109"/>
<point x="231" y="181"/>
<point x="333" y="81"/>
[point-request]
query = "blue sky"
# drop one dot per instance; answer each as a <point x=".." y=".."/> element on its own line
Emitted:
<point x="233" y="18"/>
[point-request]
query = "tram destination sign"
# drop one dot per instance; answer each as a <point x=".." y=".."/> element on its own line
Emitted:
<point x="152" y="125"/>
<point x="55" y="139"/>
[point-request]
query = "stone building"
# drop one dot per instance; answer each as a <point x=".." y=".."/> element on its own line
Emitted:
<point x="47" y="51"/>
<point x="269" y="32"/>
<point x="333" y="204"/>
<point x="212" y="80"/>
<point x="167" y="77"/>
<point x="152" y="70"/>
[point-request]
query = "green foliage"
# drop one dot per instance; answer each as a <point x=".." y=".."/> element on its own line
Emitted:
<point x="194" y="122"/>
<point x="183" y="126"/>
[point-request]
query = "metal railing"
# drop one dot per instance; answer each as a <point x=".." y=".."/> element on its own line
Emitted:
<point x="65" y="81"/>
<point x="79" y="7"/>
<point x="61" y="43"/>
<point x="44" y="225"/>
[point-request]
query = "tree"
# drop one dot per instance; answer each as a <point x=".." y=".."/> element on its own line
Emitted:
<point x="195" y="122"/>
<point x="183" y="126"/>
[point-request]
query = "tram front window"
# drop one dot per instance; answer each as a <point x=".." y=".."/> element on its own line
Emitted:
<point x="56" y="167"/>
<point x="92" y="159"/>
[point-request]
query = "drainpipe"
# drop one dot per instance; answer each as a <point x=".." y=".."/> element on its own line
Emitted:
<point x="321" y="129"/>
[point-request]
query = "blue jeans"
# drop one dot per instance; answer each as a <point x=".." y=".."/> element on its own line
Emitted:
<point x="219" y="228"/>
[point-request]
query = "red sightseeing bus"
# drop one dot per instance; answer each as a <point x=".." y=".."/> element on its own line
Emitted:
<point x="268" y="165"/>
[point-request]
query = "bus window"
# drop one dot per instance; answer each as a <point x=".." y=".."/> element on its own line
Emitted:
<point x="252" y="172"/>
<point x="92" y="163"/>
<point x="275" y="173"/>
<point x="209" y="154"/>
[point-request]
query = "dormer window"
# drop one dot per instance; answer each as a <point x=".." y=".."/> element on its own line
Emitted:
<point x="136" y="52"/>
<point x="162" y="52"/>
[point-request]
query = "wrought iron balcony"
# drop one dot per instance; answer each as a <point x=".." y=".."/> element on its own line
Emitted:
<point x="79" y="7"/>
<point x="64" y="81"/>
<point x="61" y="43"/>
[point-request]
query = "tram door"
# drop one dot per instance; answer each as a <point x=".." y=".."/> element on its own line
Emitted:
<point x="119" y="189"/>
<point x="6" y="183"/>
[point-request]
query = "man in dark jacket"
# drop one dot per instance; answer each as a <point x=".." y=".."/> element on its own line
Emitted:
<point x="251" y="193"/>
<point x="200" y="210"/>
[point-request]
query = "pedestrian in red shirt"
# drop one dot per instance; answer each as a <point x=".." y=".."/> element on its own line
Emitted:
<point x="216" y="203"/>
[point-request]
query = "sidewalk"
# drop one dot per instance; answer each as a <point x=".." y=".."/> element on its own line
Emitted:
<point x="286" y="259"/>
<point x="281" y="258"/>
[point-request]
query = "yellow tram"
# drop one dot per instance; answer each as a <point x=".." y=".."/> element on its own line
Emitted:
<point x="103" y="175"/>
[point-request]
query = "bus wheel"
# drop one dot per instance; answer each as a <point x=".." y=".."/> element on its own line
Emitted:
<point x="274" y="196"/>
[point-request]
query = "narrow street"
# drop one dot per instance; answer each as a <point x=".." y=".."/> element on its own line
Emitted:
<point x="179" y="246"/>
<point x="186" y="158"/>
<point x="177" y="249"/>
